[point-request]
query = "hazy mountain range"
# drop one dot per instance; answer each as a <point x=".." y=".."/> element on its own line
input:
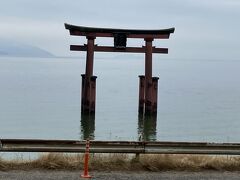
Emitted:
<point x="15" y="49"/>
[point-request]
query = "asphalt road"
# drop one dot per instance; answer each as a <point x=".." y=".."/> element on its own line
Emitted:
<point x="75" y="175"/>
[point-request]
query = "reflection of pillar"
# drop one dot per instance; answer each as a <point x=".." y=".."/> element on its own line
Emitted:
<point x="89" y="81"/>
<point x="87" y="126"/>
<point x="140" y="127"/>
<point x="147" y="125"/>
<point x="141" y="94"/>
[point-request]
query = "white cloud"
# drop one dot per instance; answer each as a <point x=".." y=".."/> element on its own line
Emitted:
<point x="200" y="24"/>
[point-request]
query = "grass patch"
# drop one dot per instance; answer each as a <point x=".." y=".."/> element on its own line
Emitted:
<point x="123" y="162"/>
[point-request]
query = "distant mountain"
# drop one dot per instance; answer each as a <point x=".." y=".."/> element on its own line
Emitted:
<point x="3" y="53"/>
<point x="9" y="48"/>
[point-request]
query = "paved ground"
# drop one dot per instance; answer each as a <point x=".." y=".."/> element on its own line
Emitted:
<point x="74" y="175"/>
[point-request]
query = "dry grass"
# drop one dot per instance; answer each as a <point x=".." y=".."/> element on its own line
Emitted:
<point x="106" y="162"/>
<point x="190" y="162"/>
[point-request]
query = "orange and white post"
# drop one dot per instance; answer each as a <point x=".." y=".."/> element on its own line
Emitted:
<point x="86" y="158"/>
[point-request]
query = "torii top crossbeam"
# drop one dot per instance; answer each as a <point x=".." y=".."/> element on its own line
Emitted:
<point x="120" y="38"/>
<point x="109" y="32"/>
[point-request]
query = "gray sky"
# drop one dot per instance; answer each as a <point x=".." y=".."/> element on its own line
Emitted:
<point x="207" y="29"/>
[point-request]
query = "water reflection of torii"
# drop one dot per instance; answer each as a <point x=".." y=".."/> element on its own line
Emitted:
<point x="148" y="85"/>
<point x="146" y="127"/>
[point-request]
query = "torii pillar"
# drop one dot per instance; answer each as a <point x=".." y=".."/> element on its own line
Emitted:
<point x="88" y="80"/>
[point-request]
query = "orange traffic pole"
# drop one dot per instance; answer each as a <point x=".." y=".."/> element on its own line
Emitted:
<point x="86" y="158"/>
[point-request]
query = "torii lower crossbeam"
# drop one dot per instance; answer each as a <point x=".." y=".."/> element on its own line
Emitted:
<point x="112" y="49"/>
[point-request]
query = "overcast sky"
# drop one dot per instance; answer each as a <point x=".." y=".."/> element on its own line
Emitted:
<point x="207" y="29"/>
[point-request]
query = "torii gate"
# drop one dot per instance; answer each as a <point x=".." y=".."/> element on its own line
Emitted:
<point x="148" y="85"/>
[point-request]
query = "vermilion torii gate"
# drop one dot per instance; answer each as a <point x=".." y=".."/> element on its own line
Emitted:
<point x="148" y="85"/>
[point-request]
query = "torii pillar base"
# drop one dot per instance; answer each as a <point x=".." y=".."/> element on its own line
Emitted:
<point x="148" y="107"/>
<point x="88" y="100"/>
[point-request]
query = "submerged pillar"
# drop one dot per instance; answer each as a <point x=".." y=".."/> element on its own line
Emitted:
<point x="84" y="107"/>
<point x="141" y="93"/>
<point x="152" y="105"/>
<point x="154" y="94"/>
<point x="89" y="81"/>
<point x="148" y="85"/>
<point x="148" y="75"/>
<point x="82" y="91"/>
<point x="93" y="94"/>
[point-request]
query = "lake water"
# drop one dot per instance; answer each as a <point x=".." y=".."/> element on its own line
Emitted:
<point x="198" y="100"/>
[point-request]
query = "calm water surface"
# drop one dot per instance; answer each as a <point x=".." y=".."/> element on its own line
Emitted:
<point x="199" y="100"/>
